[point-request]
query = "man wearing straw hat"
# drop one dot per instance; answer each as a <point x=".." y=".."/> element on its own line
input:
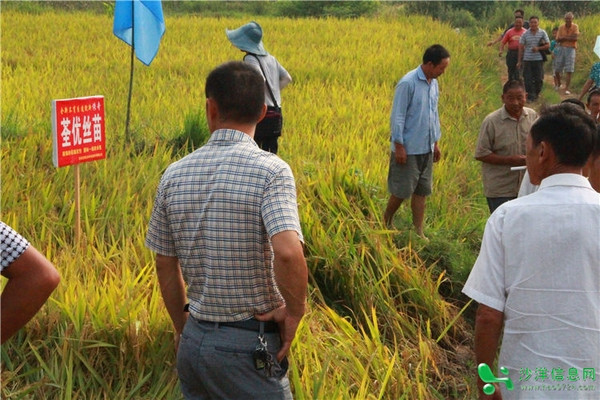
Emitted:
<point x="225" y="219"/>
<point x="248" y="38"/>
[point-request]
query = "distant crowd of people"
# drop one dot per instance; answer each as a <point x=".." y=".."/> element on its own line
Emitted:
<point x="528" y="48"/>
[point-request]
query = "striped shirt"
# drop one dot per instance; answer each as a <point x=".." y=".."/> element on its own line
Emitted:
<point x="215" y="210"/>
<point x="530" y="40"/>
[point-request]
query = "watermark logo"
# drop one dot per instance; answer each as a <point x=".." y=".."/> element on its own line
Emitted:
<point x="486" y="375"/>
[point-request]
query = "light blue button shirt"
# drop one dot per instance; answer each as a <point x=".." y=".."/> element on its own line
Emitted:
<point x="415" y="122"/>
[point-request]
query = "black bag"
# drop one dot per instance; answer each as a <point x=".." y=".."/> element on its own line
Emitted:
<point x="270" y="125"/>
<point x="544" y="53"/>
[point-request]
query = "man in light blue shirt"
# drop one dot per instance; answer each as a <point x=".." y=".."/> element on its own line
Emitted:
<point x="415" y="127"/>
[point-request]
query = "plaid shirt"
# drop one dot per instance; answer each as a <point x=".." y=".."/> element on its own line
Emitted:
<point x="215" y="210"/>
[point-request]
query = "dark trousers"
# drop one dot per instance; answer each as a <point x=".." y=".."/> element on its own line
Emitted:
<point x="268" y="130"/>
<point x="268" y="143"/>
<point x="512" y="57"/>
<point x="533" y="74"/>
<point x="495" y="202"/>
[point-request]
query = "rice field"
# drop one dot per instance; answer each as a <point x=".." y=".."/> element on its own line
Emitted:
<point x="378" y="326"/>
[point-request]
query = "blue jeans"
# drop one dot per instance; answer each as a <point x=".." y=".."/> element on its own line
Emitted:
<point x="215" y="362"/>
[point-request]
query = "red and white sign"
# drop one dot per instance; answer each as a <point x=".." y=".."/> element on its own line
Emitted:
<point x="78" y="133"/>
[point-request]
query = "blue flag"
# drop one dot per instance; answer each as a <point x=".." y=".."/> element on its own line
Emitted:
<point x="142" y="21"/>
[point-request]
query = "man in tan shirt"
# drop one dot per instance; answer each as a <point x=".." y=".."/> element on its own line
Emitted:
<point x="566" y="40"/>
<point x="501" y="145"/>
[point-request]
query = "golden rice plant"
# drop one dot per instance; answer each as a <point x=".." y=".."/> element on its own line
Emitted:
<point x="378" y="326"/>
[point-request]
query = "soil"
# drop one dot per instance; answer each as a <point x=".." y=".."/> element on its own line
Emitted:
<point x="548" y="82"/>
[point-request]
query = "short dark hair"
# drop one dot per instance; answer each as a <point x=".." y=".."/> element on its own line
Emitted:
<point x="435" y="53"/>
<point x="513" y="84"/>
<point x="575" y="101"/>
<point x="533" y="17"/>
<point x="592" y="93"/>
<point x="520" y="12"/>
<point x="569" y="130"/>
<point x="239" y="91"/>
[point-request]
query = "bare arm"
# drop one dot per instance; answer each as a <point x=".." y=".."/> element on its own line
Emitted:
<point x="586" y="87"/>
<point x="568" y="38"/>
<point x="437" y="153"/>
<point x="291" y="275"/>
<point x="400" y="153"/>
<point x="488" y="327"/>
<point x="496" y="159"/>
<point x="520" y="56"/>
<point x="172" y="288"/>
<point x="31" y="280"/>
<point x="492" y="42"/>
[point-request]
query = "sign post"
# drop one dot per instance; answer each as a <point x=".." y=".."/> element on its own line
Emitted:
<point x="78" y="135"/>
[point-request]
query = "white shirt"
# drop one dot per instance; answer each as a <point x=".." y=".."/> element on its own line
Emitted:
<point x="526" y="186"/>
<point x="539" y="264"/>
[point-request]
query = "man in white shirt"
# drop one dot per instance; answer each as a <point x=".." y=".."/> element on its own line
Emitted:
<point x="538" y="272"/>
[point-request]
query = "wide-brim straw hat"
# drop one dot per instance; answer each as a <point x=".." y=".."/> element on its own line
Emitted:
<point x="248" y="38"/>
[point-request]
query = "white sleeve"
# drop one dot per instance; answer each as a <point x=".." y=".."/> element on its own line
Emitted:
<point x="486" y="283"/>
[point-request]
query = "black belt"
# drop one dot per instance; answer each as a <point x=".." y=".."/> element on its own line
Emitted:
<point x="248" y="325"/>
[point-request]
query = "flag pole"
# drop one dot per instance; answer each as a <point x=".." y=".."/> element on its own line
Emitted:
<point x="130" y="71"/>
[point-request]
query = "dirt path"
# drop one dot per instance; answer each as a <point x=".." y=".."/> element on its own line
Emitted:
<point x="548" y="81"/>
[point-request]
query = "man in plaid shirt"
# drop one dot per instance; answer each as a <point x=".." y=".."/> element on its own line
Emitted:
<point x="225" y="222"/>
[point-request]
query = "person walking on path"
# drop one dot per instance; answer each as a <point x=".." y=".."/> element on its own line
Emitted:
<point x="518" y="13"/>
<point x="248" y="38"/>
<point x="566" y="39"/>
<point x="533" y="42"/>
<point x="511" y="39"/>
<point x="537" y="278"/>
<point x="415" y="132"/>
<point x="501" y="145"/>
<point x="225" y="221"/>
